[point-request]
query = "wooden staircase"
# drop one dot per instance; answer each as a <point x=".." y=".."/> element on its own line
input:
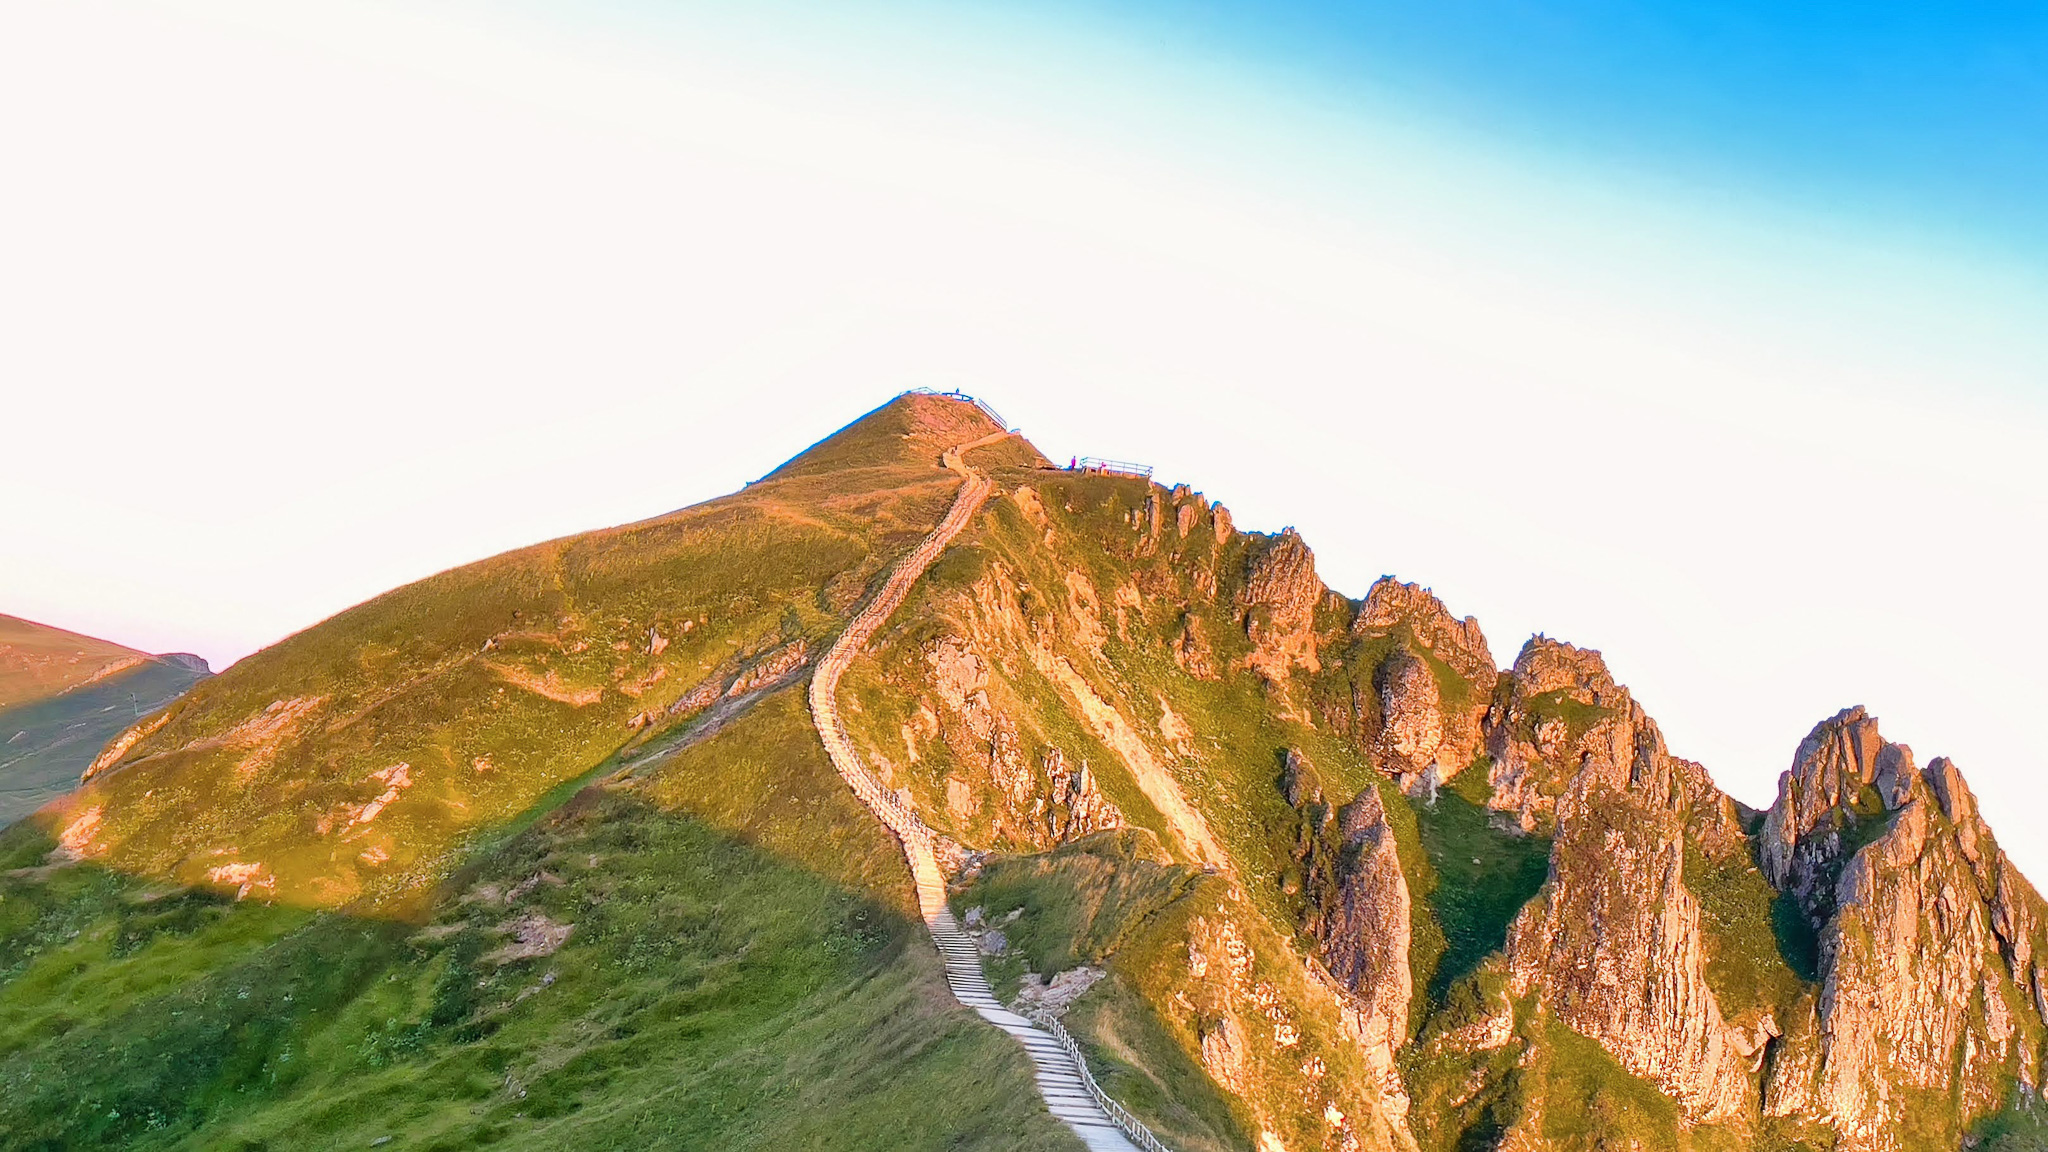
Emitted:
<point x="1069" y="1090"/>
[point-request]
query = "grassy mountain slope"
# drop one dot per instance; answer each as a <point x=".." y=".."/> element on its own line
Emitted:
<point x="538" y="851"/>
<point x="681" y="961"/>
<point x="63" y="697"/>
<point x="544" y="850"/>
<point x="348" y="765"/>
<point x="39" y="661"/>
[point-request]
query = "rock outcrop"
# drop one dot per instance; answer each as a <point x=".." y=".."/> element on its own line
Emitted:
<point x="1365" y="932"/>
<point x="1431" y="683"/>
<point x="1278" y="606"/>
<point x="1358" y="911"/>
<point x="1614" y="946"/>
<point x="1041" y="799"/>
<point x="1562" y="711"/>
<point x="1931" y="1002"/>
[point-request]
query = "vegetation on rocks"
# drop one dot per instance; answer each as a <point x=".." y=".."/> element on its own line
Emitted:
<point x="544" y="850"/>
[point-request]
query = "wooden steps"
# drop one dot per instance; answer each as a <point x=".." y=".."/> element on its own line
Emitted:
<point x="1068" y="1090"/>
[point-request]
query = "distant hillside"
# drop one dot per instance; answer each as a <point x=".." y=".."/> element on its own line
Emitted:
<point x="62" y="697"/>
<point x="38" y="661"/>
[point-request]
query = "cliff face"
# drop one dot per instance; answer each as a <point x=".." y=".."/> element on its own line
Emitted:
<point x="1931" y="1006"/>
<point x="1105" y="627"/>
<point x="1431" y="681"/>
<point x="1614" y="946"/>
<point x="1278" y="606"/>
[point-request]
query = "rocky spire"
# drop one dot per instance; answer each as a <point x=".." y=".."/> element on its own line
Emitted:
<point x="1422" y="724"/>
<point x="1930" y="941"/>
<point x="1278" y="606"/>
<point x="1614" y="945"/>
<point x="1563" y="712"/>
<point x="1459" y="643"/>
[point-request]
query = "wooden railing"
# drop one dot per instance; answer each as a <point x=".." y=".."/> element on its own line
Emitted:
<point x="1128" y="1124"/>
<point x="978" y="402"/>
<point x="918" y="838"/>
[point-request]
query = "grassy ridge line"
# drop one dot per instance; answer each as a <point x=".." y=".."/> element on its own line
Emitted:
<point x="1063" y="1079"/>
<point x="495" y="682"/>
<point x="742" y="971"/>
<point x="38" y="661"/>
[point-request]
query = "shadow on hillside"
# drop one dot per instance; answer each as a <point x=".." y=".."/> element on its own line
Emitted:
<point x="45" y="744"/>
<point x="619" y="974"/>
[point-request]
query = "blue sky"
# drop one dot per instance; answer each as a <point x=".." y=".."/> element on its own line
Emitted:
<point x="1931" y="116"/>
<point x="1710" y="337"/>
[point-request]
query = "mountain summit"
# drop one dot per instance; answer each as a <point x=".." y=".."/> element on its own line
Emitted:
<point x="547" y="850"/>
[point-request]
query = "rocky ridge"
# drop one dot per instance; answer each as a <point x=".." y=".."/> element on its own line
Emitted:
<point x="1654" y="935"/>
<point x="1270" y="832"/>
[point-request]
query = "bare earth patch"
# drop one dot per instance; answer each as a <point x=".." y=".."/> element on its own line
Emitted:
<point x="532" y="935"/>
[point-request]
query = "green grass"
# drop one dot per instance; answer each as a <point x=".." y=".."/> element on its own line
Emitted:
<point x="1797" y="940"/>
<point x="2021" y="1127"/>
<point x="1755" y="962"/>
<point x="1133" y="1055"/>
<point x="1559" y="704"/>
<point x="46" y="743"/>
<point x="1484" y="875"/>
<point x="1589" y="1101"/>
<point x="1080" y="900"/>
<point x="1364" y="656"/>
<point x="715" y="992"/>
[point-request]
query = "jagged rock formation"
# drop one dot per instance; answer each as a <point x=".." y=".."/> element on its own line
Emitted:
<point x="1360" y="916"/>
<point x="1278" y="605"/>
<point x="1349" y="887"/>
<point x="1429" y="691"/>
<point x="1931" y="1002"/>
<point x="1562" y="710"/>
<point x="1614" y="946"/>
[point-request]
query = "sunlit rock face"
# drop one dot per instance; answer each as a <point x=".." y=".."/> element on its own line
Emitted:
<point x="1930" y="941"/>
<point x="1430" y="689"/>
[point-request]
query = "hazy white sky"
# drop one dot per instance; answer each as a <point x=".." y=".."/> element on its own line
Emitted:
<point x="300" y="302"/>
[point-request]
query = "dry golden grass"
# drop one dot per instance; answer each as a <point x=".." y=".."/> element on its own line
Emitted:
<point x="38" y="661"/>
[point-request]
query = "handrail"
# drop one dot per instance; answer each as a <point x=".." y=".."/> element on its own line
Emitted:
<point x="1125" y="467"/>
<point x="1130" y="1125"/>
<point x="918" y="838"/>
<point x="956" y="394"/>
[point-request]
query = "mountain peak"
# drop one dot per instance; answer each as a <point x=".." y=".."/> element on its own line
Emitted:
<point x="1365" y="889"/>
<point x="912" y="430"/>
<point x="1390" y="604"/>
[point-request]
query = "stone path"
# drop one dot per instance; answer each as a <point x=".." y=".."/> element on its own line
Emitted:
<point x="1063" y="1078"/>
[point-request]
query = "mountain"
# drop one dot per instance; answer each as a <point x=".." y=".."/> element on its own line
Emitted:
<point x="547" y="851"/>
<point x="62" y="697"/>
<point x="38" y="661"/>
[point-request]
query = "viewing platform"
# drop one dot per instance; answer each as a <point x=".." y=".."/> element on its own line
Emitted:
<point x="1099" y="465"/>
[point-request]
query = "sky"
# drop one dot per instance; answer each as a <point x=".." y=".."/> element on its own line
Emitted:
<point x="1708" y="336"/>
